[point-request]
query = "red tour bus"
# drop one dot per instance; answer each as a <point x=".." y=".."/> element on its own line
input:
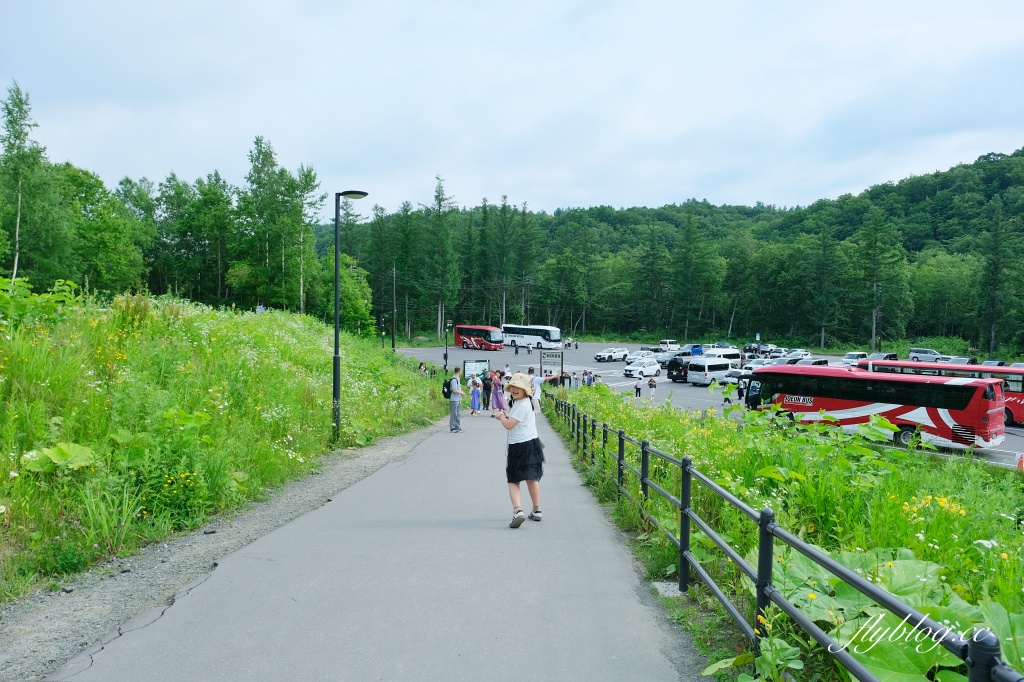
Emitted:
<point x="951" y="412"/>
<point x="1013" y="376"/>
<point x="479" y="337"/>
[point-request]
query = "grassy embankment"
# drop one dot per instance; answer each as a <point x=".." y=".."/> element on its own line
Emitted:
<point x="124" y="425"/>
<point x="947" y="536"/>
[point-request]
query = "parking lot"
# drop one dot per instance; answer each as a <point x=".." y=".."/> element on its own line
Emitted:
<point x="678" y="394"/>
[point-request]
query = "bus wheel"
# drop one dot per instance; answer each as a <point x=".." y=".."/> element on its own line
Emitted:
<point x="465" y="344"/>
<point x="904" y="436"/>
<point x="1008" y="417"/>
<point x="513" y="343"/>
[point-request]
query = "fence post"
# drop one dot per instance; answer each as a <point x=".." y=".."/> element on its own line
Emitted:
<point x="593" y="437"/>
<point x="982" y="655"/>
<point x="579" y="424"/>
<point x="604" y="442"/>
<point x="583" y="424"/>
<point x="765" y="557"/>
<point x="684" y="525"/>
<point x="622" y="457"/>
<point x="572" y="422"/>
<point x="645" y="467"/>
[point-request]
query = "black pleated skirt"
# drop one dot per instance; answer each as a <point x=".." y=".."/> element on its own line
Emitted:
<point x="525" y="461"/>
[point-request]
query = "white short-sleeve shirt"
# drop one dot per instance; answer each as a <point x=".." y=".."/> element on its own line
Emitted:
<point x="526" y="429"/>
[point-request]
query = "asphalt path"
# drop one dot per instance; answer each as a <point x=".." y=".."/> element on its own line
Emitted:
<point x="680" y="395"/>
<point x="413" y="574"/>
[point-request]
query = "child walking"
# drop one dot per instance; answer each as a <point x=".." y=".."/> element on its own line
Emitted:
<point x="474" y="396"/>
<point x="525" y="455"/>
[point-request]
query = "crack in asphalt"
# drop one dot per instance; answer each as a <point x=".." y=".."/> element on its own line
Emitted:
<point x="85" y="660"/>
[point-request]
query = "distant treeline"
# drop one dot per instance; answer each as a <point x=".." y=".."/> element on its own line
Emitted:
<point x="931" y="255"/>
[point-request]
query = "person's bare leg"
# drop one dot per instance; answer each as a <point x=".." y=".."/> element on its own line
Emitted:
<point x="534" y="489"/>
<point x="515" y="494"/>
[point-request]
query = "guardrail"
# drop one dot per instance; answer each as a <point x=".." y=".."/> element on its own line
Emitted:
<point x="981" y="651"/>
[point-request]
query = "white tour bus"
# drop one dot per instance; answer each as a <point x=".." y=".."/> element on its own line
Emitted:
<point x="538" y="336"/>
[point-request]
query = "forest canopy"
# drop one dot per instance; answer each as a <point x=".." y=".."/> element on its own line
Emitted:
<point x="930" y="255"/>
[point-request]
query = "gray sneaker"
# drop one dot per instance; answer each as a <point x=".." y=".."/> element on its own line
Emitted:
<point x="517" y="519"/>
<point x="535" y="515"/>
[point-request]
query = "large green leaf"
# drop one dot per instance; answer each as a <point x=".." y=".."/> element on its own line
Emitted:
<point x="1009" y="627"/>
<point x="891" y="650"/>
<point x="70" y="455"/>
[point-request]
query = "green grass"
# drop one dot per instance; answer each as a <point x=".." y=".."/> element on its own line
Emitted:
<point x="122" y="425"/>
<point x="957" y="524"/>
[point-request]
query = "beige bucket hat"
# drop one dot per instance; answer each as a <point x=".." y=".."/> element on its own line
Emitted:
<point x="522" y="381"/>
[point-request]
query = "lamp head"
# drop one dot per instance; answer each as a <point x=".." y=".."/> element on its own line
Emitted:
<point x="353" y="194"/>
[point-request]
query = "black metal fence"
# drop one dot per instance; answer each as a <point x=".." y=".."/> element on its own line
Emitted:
<point x="981" y="651"/>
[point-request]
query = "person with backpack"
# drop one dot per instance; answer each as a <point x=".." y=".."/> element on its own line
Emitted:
<point x="453" y="390"/>
<point x="652" y="384"/>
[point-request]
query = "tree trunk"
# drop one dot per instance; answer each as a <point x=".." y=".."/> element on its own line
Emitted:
<point x="822" y="336"/>
<point x="732" y="318"/>
<point x="17" y="238"/>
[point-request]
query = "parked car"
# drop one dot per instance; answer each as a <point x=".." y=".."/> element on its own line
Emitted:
<point x="643" y="368"/>
<point x="669" y="344"/>
<point x="733" y="376"/>
<point x="702" y="371"/>
<point x="750" y="348"/>
<point x="812" y="361"/>
<point x="926" y="355"/>
<point x="995" y="363"/>
<point x="776" y="352"/>
<point x="784" y="361"/>
<point x="883" y="356"/>
<point x="1017" y="364"/>
<point x="961" y="360"/>
<point x="852" y="358"/>
<point x="754" y="364"/>
<point x="638" y="355"/>
<point x="678" y="367"/>
<point x="611" y="354"/>
<point x="798" y="353"/>
<point x="664" y="358"/>
<point x="694" y="348"/>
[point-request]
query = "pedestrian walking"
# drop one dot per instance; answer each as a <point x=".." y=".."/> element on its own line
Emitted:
<point x="515" y="347"/>
<point x="652" y="385"/>
<point x="507" y="373"/>
<point x="475" y="388"/>
<point x="741" y="389"/>
<point x="524" y="456"/>
<point x="536" y="383"/>
<point x="455" y="403"/>
<point x="637" y="387"/>
<point x="498" y="395"/>
<point x="577" y="345"/>
<point x="529" y="349"/>
<point x="488" y="382"/>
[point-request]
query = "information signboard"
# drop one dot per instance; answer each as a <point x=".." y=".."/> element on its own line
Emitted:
<point x="475" y="368"/>
<point x="550" y="362"/>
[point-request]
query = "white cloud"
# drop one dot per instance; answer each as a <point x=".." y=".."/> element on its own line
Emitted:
<point x="553" y="103"/>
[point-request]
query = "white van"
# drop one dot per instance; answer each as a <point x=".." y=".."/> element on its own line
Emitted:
<point x="703" y="370"/>
<point x="725" y="353"/>
<point x="669" y="344"/>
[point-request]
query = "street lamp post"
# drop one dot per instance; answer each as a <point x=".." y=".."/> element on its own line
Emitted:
<point x="394" y="308"/>
<point x="447" y="324"/>
<point x="336" y="402"/>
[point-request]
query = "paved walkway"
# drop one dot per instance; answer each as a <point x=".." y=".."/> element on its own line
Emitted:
<point x="413" y="574"/>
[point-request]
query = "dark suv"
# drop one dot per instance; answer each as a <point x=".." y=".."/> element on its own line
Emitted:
<point x="677" y="367"/>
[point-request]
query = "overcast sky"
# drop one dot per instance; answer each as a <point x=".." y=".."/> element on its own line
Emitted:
<point x="554" y="102"/>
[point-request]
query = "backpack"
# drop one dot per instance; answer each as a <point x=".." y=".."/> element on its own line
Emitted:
<point x="446" y="388"/>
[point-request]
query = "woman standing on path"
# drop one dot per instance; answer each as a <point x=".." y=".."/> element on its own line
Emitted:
<point x="498" y="395"/>
<point x="652" y="384"/>
<point x="525" y="455"/>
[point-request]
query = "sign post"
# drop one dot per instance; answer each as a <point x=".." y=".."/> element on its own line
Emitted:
<point x="551" y="362"/>
<point x="475" y="368"/>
